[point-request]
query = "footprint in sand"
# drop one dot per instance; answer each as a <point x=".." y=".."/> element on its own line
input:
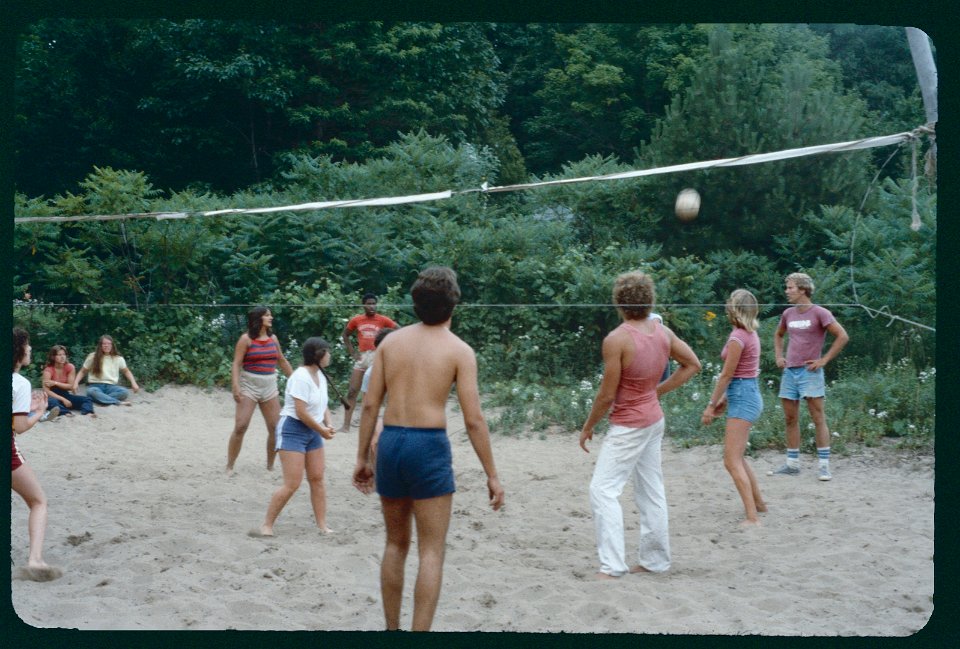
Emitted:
<point x="42" y="573"/>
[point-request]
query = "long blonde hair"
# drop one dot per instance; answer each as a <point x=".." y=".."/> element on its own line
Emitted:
<point x="742" y="309"/>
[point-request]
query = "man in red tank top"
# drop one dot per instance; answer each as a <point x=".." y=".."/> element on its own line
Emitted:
<point x="634" y="355"/>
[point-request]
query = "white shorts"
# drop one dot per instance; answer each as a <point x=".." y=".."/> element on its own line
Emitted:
<point x="366" y="360"/>
<point x="258" y="387"/>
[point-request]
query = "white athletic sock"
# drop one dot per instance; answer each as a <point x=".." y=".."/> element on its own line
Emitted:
<point x="793" y="457"/>
<point x="824" y="455"/>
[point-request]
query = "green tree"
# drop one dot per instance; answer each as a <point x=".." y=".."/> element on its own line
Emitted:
<point x="600" y="88"/>
<point x="760" y="88"/>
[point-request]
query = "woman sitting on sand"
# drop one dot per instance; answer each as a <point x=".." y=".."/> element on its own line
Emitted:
<point x="253" y="378"/>
<point x="104" y="366"/>
<point x="304" y="424"/>
<point x="22" y="478"/>
<point x="58" y="378"/>
<point x="737" y="392"/>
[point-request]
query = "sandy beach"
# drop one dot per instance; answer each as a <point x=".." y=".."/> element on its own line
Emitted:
<point x="152" y="534"/>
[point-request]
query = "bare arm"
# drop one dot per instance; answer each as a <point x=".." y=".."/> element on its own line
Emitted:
<point x="38" y="406"/>
<point x="840" y="339"/>
<point x="23" y="423"/>
<point x="714" y="406"/>
<point x="612" y="368"/>
<point x="76" y="382"/>
<point x="49" y="384"/>
<point x="468" y="394"/>
<point x="688" y="361"/>
<point x="370" y="410"/>
<point x="303" y="414"/>
<point x="239" y="351"/>
<point x="284" y="364"/>
<point x="348" y="344"/>
<point x="133" y="382"/>
<point x="778" y="346"/>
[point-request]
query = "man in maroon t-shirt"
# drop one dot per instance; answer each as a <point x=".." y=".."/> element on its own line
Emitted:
<point x="367" y="325"/>
<point x="806" y="324"/>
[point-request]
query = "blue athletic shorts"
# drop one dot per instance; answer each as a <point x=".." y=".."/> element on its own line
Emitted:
<point x="743" y="400"/>
<point x="800" y="383"/>
<point x="294" y="435"/>
<point x="414" y="463"/>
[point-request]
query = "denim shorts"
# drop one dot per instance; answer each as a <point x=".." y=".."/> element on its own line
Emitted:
<point x="743" y="400"/>
<point x="800" y="383"/>
<point x="414" y="463"/>
<point x="294" y="435"/>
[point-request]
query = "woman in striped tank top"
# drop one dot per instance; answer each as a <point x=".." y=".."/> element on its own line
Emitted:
<point x="254" y="381"/>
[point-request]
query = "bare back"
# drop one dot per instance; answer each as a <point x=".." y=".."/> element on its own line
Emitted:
<point x="420" y="364"/>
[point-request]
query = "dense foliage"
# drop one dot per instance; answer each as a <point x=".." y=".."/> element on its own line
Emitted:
<point x="159" y="116"/>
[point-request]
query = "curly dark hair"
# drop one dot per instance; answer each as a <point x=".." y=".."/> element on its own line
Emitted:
<point x="21" y="340"/>
<point x="634" y="294"/>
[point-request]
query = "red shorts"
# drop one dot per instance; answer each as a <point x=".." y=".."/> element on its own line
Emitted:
<point x="15" y="458"/>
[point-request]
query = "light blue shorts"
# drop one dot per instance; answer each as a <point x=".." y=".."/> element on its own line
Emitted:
<point x="414" y="463"/>
<point x="744" y="400"/>
<point x="294" y="435"/>
<point x="800" y="383"/>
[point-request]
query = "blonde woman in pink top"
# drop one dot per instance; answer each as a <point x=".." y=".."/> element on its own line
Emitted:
<point x="737" y="393"/>
<point x="634" y="355"/>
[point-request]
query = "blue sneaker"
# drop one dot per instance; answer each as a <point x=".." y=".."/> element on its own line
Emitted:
<point x="785" y="469"/>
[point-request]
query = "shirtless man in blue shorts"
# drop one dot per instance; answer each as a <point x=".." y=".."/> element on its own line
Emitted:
<point x="417" y="365"/>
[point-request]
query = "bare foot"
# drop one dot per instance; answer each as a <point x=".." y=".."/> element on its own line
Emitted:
<point x="41" y="572"/>
<point x="762" y="507"/>
<point x="602" y="576"/>
<point x="261" y="533"/>
<point x="638" y="568"/>
<point x="750" y="523"/>
<point x="324" y="529"/>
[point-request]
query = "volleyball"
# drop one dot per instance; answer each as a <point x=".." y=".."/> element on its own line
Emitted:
<point x="688" y="204"/>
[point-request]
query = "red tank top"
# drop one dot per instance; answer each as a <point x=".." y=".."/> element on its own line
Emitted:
<point x="261" y="357"/>
<point x="636" y="404"/>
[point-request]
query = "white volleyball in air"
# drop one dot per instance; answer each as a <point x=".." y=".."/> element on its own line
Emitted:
<point x="688" y="204"/>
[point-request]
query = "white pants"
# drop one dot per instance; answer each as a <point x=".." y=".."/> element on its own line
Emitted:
<point x="629" y="451"/>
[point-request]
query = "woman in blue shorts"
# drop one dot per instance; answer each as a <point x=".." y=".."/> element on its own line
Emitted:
<point x="737" y="392"/>
<point x="304" y="424"/>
